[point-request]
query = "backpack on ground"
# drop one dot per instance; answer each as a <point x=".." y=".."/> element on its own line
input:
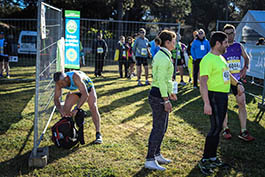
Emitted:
<point x="64" y="133"/>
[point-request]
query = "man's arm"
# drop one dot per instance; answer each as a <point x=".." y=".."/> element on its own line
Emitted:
<point x="204" y="94"/>
<point x="57" y="95"/>
<point x="246" y="62"/>
<point x="82" y="88"/>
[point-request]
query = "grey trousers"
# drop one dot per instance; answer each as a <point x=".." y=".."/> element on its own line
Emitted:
<point x="160" y="124"/>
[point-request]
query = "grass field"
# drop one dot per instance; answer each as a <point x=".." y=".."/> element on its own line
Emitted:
<point x="126" y="125"/>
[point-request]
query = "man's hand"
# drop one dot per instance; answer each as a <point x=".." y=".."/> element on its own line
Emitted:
<point x="74" y="112"/>
<point x="64" y="114"/>
<point x="240" y="89"/>
<point x="207" y="109"/>
<point x="168" y="107"/>
<point x="173" y="97"/>
<point x="243" y="72"/>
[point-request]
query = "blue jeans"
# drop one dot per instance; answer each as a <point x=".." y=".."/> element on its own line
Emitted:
<point x="160" y="124"/>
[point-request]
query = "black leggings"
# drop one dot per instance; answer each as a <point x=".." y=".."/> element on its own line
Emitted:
<point x="218" y="103"/>
<point x="196" y="68"/>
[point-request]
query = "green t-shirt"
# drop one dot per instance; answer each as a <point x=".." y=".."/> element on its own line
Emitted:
<point x="176" y="51"/>
<point x="216" y="68"/>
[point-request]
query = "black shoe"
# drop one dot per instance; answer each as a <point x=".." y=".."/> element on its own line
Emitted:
<point x="218" y="163"/>
<point x="205" y="166"/>
<point x="98" y="138"/>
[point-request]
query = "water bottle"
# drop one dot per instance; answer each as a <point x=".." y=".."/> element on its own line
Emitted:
<point x="175" y="87"/>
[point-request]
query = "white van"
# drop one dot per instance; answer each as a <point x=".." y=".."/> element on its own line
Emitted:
<point x="27" y="42"/>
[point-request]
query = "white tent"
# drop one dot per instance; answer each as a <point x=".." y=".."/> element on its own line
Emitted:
<point x="253" y="23"/>
<point x="254" y="19"/>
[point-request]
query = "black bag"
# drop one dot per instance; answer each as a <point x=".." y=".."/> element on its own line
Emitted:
<point x="64" y="133"/>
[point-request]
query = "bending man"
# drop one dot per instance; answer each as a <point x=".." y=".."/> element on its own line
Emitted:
<point x="81" y="90"/>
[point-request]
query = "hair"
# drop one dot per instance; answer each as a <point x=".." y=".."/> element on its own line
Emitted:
<point x="121" y="37"/>
<point x="260" y="41"/>
<point x="217" y="36"/>
<point x="142" y="29"/>
<point x="166" y="35"/>
<point x="229" y="26"/>
<point x="158" y="40"/>
<point x="58" y="76"/>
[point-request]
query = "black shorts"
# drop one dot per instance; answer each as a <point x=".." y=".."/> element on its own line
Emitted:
<point x="131" y="61"/>
<point x="79" y="94"/>
<point x="234" y="90"/>
<point x="141" y="61"/>
<point x="4" y="58"/>
<point x="179" y="62"/>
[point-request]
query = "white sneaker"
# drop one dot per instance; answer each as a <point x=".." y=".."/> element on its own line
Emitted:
<point x="153" y="165"/>
<point x="160" y="159"/>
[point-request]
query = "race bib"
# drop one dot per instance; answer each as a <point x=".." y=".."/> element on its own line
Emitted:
<point x="144" y="52"/>
<point x="234" y="66"/>
<point x="202" y="47"/>
<point x="99" y="50"/>
<point x="226" y="76"/>
<point x="124" y="53"/>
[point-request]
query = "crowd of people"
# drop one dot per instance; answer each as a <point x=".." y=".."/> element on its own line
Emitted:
<point x="214" y="64"/>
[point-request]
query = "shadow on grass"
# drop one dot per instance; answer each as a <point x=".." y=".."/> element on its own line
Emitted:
<point x="18" y="165"/>
<point x="18" y="101"/>
<point x="143" y="172"/>
<point x="244" y="157"/>
<point x="124" y="100"/>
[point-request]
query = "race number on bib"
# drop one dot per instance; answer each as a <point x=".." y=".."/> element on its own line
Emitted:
<point x="144" y="52"/>
<point x="226" y="76"/>
<point x="99" y="50"/>
<point x="202" y="47"/>
<point x="124" y="53"/>
<point x="234" y="66"/>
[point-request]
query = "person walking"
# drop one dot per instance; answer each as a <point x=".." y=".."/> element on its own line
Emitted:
<point x="215" y="84"/>
<point x="233" y="56"/>
<point x="100" y="50"/>
<point x="141" y="52"/>
<point x="159" y="99"/>
<point x="199" y="48"/>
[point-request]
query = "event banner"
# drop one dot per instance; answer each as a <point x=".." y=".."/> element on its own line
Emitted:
<point x="72" y="38"/>
<point x="256" y="60"/>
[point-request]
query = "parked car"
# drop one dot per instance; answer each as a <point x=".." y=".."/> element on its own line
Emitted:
<point x="27" y="42"/>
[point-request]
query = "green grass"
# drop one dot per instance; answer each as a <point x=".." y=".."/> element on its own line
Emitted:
<point x="126" y="125"/>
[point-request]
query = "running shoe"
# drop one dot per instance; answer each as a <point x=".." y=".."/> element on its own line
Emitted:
<point x="140" y="83"/>
<point x="218" y="163"/>
<point x="147" y="82"/>
<point x="226" y="133"/>
<point x="205" y="167"/>
<point x="98" y="138"/>
<point x="182" y="83"/>
<point x="246" y="136"/>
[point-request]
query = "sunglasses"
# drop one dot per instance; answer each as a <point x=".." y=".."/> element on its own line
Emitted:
<point x="230" y="33"/>
<point x="142" y="32"/>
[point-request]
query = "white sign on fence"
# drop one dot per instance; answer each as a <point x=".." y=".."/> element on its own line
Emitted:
<point x="256" y="60"/>
<point x="13" y="59"/>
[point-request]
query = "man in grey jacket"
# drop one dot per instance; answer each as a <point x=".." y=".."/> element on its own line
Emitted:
<point x="141" y="51"/>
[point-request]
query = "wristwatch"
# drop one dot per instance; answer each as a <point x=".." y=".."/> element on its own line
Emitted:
<point x="238" y="83"/>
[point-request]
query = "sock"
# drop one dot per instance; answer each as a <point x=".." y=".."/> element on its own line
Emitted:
<point x="203" y="159"/>
<point x="226" y="128"/>
<point x="213" y="158"/>
<point x="243" y="129"/>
